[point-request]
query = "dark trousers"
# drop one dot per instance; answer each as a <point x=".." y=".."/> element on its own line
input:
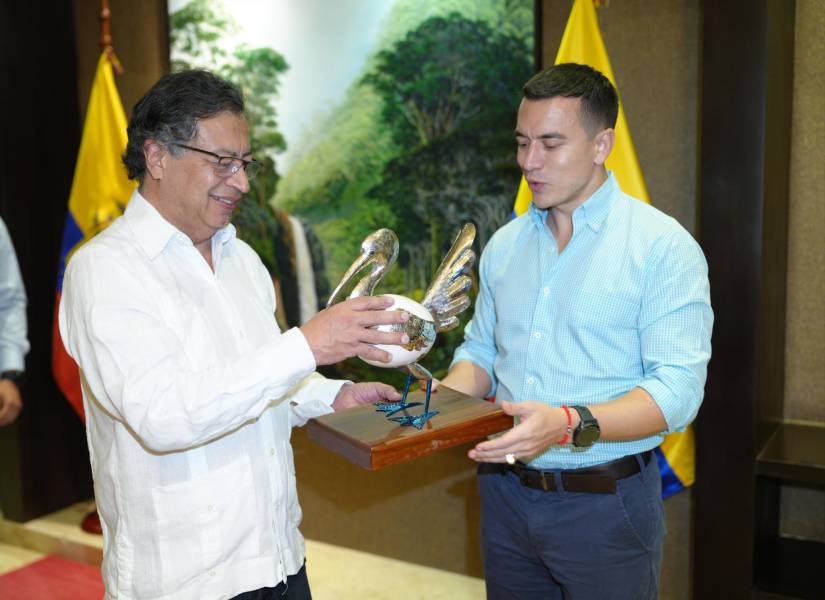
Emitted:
<point x="296" y="587"/>
<point x="568" y="545"/>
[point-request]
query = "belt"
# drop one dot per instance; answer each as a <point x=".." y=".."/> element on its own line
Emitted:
<point x="599" y="479"/>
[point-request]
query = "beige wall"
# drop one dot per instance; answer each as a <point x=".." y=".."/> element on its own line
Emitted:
<point x="805" y="344"/>
<point x="803" y="510"/>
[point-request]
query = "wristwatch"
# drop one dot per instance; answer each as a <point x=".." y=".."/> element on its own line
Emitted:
<point x="14" y="376"/>
<point x="587" y="431"/>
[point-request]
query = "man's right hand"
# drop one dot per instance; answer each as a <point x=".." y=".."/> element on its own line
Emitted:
<point x="10" y="402"/>
<point x="344" y="330"/>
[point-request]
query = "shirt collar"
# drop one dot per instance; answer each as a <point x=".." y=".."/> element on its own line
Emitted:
<point x="154" y="233"/>
<point x="594" y="210"/>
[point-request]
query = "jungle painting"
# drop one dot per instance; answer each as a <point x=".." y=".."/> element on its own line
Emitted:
<point x="367" y="114"/>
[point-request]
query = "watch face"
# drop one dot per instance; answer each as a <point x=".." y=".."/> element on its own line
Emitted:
<point x="587" y="436"/>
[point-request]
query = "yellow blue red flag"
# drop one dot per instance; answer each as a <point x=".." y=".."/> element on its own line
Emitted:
<point x="100" y="191"/>
<point x="582" y="43"/>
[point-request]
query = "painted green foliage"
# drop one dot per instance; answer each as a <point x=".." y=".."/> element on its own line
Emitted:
<point x="447" y="93"/>
<point x="422" y="142"/>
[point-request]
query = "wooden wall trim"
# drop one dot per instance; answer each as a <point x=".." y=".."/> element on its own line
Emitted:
<point x="744" y="157"/>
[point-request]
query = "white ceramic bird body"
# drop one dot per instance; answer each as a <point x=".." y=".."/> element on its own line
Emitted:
<point x="445" y="298"/>
<point x="421" y="332"/>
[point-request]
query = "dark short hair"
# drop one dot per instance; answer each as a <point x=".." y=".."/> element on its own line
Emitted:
<point x="599" y="100"/>
<point x="170" y="111"/>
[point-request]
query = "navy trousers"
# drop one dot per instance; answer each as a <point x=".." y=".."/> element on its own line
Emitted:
<point x="296" y="587"/>
<point x="571" y="546"/>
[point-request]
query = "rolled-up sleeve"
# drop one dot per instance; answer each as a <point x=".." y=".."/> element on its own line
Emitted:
<point x="675" y="327"/>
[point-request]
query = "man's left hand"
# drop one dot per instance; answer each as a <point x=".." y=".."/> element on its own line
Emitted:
<point x="355" y="394"/>
<point x="540" y="426"/>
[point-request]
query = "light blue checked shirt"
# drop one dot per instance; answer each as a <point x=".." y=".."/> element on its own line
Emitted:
<point x="626" y="304"/>
<point x="13" y="327"/>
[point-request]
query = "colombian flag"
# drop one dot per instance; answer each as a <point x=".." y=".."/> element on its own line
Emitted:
<point x="582" y="43"/>
<point x="100" y="191"/>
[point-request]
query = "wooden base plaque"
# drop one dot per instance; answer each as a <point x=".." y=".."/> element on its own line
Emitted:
<point x="366" y="437"/>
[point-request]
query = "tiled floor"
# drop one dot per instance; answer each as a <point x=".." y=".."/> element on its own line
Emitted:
<point x="334" y="572"/>
<point x="14" y="557"/>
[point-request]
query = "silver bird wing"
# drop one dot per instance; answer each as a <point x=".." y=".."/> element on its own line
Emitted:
<point x="448" y="294"/>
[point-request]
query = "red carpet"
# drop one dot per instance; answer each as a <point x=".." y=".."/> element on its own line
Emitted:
<point x="52" y="578"/>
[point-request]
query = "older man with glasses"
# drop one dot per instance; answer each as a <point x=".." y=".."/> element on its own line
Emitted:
<point x="189" y="387"/>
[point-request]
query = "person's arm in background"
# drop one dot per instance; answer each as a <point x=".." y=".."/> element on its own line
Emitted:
<point x="13" y="329"/>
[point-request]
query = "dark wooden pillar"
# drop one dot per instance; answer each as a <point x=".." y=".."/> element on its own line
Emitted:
<point x="44" y="463"/>
<point x="747" y="70"/>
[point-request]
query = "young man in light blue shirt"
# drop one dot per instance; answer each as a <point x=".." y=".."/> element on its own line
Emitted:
<point x="592" y="327"/>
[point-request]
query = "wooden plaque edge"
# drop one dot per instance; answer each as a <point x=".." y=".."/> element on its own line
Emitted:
<point x="398" y="451"/>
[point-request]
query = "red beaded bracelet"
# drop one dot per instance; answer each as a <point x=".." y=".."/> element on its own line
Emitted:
<point x="569" y="429"/>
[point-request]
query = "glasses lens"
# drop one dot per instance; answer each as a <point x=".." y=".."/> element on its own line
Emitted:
<point x="224" y="170"/>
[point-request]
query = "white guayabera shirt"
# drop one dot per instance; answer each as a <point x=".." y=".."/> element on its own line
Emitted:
<point x="190" y="392"/>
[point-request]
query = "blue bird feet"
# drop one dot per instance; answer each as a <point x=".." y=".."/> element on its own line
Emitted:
<point x="390" y="408"/>
<point x="417" y="421"/>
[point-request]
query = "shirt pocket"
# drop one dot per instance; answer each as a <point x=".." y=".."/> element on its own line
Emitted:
<point x="604" y="329"/>
<point x="596" y="309"/>
<point x="205" y="523"/>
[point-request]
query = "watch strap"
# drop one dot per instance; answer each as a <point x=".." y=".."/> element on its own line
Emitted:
<point x="586" y="417"/>
<point x="14" y="375"/>
<point x="588" y="426"/>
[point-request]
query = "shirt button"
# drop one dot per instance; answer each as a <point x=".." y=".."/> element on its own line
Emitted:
<point x="272" y="451"/>
<point x="210" y="508"/>
<point x="537" y="335"/>
<point x="530" y="381"/>
<point x="212" y="573"/>
<point x="546" y="291"/>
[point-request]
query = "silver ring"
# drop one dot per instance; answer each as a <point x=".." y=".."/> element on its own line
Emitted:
<point x="510" y="458"/>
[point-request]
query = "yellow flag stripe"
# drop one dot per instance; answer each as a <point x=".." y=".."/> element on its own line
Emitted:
<point x="679" y="450"/>
<point x="101" y="188"/>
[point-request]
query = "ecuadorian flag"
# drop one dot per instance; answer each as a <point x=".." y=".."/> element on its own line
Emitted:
<point x="582" y="43"/>
<point x="100" y="191"/>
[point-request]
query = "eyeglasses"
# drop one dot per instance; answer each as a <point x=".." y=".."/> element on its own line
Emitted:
<point x="226" y="166"/>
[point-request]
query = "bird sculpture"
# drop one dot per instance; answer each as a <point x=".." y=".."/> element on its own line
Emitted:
<point x="445" y="298"/>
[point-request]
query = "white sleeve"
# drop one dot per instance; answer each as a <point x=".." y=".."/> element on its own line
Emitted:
<point x="135" y="367"/>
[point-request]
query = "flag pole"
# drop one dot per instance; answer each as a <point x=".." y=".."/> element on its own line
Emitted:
<point x="106" y="37"/>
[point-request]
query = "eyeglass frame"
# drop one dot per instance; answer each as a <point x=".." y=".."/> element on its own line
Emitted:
<point x="234" y="166"/>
